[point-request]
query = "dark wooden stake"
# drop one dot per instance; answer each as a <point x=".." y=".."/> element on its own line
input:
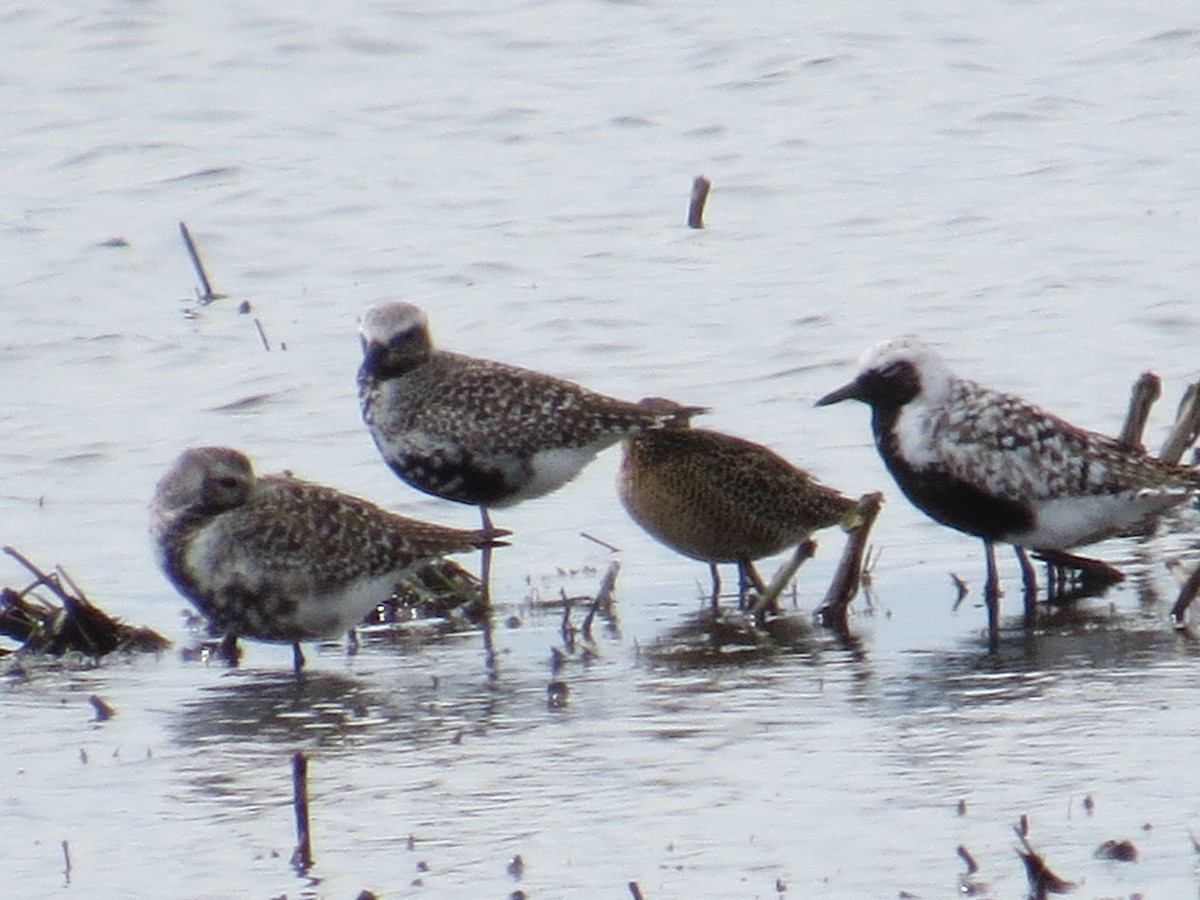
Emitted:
<point x="1146" y="390"/>
<point x="208" y="295"/>
<point x="302" y="859"/>
<point x="700" y="188"/>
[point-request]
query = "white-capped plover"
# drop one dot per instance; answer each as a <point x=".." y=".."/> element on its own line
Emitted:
<point x="274" y="558"/>
<point x="477" y="431"/>
<point x="723" y="499"/>
<point x="995" y="466"/>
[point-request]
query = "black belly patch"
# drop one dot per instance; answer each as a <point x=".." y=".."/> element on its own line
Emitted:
<point x="464" y="477"/>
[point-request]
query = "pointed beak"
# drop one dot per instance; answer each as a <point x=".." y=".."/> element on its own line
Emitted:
<point x="851" y="391"/>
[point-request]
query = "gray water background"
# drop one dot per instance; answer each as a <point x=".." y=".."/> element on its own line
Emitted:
<point x="1014" y="181"/>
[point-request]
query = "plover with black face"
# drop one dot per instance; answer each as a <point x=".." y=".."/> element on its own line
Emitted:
<point x="995" y="466"/>
<point x="477" y="431"/>
<point x="723" y="499"/>
<point x="274" y="558"/>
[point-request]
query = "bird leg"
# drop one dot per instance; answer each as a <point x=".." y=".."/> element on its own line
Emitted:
<point x="229" y="650"/>
<point x="1029" y="583"/>
<point x="991" y="596"/>
<point x="485" y="564"/>
<point x="485" y="577"/>
<point x="1093" y="574"/>
<point x="716" y="587"/>
<point x="297" y="658"/>
<point x="748" y="578"/>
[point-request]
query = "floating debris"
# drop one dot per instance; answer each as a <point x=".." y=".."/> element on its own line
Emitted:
<point x="1117" y="851"/>
<point x="73" y="624"/>
<point x="441" y="590"/>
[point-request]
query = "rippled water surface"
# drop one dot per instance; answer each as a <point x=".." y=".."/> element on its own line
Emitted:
<point x="1014" y="181"/>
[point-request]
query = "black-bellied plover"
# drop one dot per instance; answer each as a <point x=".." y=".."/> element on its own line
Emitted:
<point x="723" y="499"/>
<point x="995" y="466"/>
<point x="478" y="431"/>
<point x="274" y="558"/>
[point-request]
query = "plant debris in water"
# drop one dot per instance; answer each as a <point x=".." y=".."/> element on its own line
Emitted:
<point x="72" y="624"/>
<point x="441" y="590"/>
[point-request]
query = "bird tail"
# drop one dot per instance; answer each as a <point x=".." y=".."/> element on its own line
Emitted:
<point x="669" y="414"/>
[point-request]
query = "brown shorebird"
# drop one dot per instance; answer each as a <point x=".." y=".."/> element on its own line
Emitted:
<point x="478" y="431"/>
<point x="274" y="558"/>
<point x="995" y="466"/>
<point x="723" y="499"/>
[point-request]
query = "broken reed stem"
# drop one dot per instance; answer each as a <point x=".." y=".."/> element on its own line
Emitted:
<point x="66" y="849"/>
<point x="208" y="295"/>
<point x="700" y="188"/>
<point x="603" y="601"/>
<point x="783" y="576"/>
<point x="1146" y="390"/>
<point x="1187" y="425"/>
<point x="848" y="577"/>
<point x="302" y="859"/>
<point x="635" y="891"/>
<point x="42" y="578"/>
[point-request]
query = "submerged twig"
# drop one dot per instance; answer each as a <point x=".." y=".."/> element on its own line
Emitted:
<point x="1146" y="390"/>
<point x="302" y="859"/>
<point x="700" y="188"/>
<point x="208" y="295"/>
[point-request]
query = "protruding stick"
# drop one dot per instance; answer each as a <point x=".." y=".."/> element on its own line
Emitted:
<point x="208" y="294"/>
<point x="302" y="859"/>
<point x="1187" y="425"/>
<point x="782" y="577"/>
<point x="1146" y="390"/>
<point x="700" y="187"/>
<point x="848" y="577"/>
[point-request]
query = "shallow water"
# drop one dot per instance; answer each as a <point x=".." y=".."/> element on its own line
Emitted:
<point x="1008" y="180"/>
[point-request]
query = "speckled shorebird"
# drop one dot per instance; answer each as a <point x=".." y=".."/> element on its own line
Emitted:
<point x="723" y="499"/>
<point x="995" y="466"/>
<point x="274" y="558"/>
<point x="482" y="432"/>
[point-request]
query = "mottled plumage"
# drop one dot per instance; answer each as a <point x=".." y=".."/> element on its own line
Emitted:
<point x="720" y="499"/>
<point x="477" y="431"/>
<point x="275" y="558"/>
<point x="996" y="466"/>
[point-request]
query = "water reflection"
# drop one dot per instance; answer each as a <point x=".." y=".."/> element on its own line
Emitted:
<point x="331" y="710"/>
<point x="1103" y="643"/>
<point x="704" y="640"/>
